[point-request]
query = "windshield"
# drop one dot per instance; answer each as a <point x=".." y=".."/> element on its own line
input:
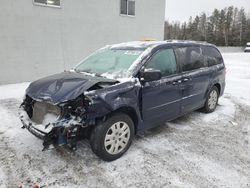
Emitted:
<point x="109" y="62"/>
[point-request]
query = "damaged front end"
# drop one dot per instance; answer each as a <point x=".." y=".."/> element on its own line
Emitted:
<point x="56" y="124"/>
<point x="63" y="108"/>
<point x="55" y="107"/>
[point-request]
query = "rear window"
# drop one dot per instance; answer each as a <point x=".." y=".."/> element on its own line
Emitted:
<point x="212" y="56"/>
<point x="190" y="58"/>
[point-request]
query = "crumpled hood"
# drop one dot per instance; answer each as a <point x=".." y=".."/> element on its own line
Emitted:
<point x="63" y="87"/>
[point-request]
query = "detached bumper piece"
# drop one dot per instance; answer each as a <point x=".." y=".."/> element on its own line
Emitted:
<point x="60" y="133"/>
<point x="32" y="129"/>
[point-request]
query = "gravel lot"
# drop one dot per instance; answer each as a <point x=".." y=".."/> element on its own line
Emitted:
<point x="197" y="150"/>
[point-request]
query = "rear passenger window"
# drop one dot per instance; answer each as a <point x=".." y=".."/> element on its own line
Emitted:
<point x="212" y="56"/>
<point x="190" y="58"/>
<point x="164" y="61"/>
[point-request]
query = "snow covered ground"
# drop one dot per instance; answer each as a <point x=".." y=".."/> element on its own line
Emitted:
<point x="197" y="150"/>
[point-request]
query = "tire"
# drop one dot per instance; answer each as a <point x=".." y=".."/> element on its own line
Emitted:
<point x="110" y="139"/>
<point x="211" y="101"/>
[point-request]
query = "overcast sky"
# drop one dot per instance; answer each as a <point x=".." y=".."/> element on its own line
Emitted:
<point x="181" y="10"/>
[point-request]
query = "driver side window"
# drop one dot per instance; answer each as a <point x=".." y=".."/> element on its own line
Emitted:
<point x="163" y="60"/>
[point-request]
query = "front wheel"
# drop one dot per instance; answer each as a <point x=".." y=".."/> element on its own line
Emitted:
<point x="111" y="139"/>
<point x="212" y="100"/>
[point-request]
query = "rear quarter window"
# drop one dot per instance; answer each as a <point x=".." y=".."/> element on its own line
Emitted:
<point x="212" y="55"/>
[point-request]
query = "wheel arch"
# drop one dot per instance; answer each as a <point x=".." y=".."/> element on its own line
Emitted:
<point x="218" y="87"/>
<point x="130" y="112"/>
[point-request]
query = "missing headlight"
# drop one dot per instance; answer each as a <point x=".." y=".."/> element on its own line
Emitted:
<point x="77" y="107"/>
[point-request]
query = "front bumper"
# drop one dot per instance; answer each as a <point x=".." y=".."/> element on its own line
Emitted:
<point x="33" y="130"/>
<point x="29" y="125"/>
<point x="59" y="133"/>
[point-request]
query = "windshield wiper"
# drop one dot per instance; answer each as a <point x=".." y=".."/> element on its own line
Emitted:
<point x="87" y="72"/>
<point x="82" y="71"/>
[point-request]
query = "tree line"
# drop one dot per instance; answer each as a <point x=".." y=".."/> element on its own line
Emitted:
<point x="226" y="27"/>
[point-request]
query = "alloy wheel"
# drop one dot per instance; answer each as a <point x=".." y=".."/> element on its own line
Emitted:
<point x="212" y="99"/>
<point x="117" y="138"/>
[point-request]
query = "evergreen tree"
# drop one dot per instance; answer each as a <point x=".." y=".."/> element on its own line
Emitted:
<point x="226" y="27"/>
<point x="203" y="27"/>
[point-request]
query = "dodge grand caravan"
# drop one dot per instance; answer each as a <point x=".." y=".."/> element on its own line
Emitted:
<point x="122" y="90"/>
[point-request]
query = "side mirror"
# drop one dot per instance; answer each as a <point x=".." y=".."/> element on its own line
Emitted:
<point x="149" y="75"/>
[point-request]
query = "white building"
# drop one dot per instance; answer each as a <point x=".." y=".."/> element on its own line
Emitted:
<point x="42" y="37"/>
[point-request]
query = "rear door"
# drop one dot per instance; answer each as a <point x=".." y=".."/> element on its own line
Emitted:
<point x="161" y="98"/>
<point x="195" y="77"/>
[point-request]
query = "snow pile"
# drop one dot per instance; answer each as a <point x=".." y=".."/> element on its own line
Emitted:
<point x="225" y="107"/>
<point x="49" y="118"/>
<point x="13" y="90"/>
<point x="231" y="49"/>
<point x="238" y="76"/>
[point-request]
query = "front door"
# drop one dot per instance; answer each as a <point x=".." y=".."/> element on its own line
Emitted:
<point x="161" y="99"/>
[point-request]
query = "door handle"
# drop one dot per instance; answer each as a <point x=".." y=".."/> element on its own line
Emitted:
<point x="177" y="82"/>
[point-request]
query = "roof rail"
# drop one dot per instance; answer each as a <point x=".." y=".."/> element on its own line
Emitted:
<point x="187" y="41"/>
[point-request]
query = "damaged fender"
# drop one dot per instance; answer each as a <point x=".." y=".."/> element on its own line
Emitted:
<point x="123" y="95"/>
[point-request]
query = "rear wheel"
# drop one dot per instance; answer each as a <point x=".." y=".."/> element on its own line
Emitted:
<point x="111" y="139"/>
<point x="212" y="100"/>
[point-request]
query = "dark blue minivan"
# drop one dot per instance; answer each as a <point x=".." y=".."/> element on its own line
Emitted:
<point x="121" y="90"/>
